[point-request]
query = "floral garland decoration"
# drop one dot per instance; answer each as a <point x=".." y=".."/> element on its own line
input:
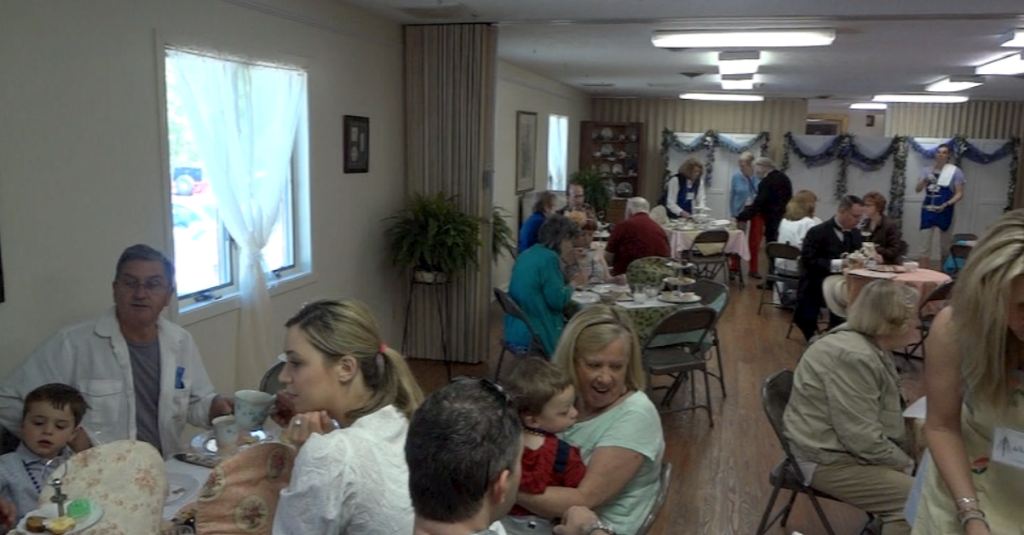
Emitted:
<point x="1014" y="162"/>
<point x="670" y="142"/>
<point x="898" y="186"/>
<point x="709" y="141"/>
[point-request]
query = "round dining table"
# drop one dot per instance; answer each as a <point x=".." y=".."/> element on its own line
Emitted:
<point x="924" y="280"/>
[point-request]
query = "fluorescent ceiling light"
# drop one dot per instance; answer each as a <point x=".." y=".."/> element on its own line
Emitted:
<point x="1012" y="38"/>
<point x="743" y="38"/>
<point x="738" y="62"/>
<point x="741" y="82"/>
<point x="955" y="83"/>
<point x="921" y="99"/>
<point x="1009" y="65"/>
<point x="722" y="96"/>
<point x="868" y="106"/>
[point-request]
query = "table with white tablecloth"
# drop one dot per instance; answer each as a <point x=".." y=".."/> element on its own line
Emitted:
<point x="680" y="241"/>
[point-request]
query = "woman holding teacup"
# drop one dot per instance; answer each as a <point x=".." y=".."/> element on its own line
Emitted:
<point x="975" y="390"/>
<point x="352" y="480"/>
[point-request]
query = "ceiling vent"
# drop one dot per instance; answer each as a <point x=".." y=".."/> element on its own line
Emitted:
<point x="692" y="74"/>
<point x="439" y="12"/>
<point x="602" y="84"/>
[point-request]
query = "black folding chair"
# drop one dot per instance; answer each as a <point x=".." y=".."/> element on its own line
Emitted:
<point x="710" y="292"/>
<point x="926" y="315"/>
<point x="270" y="383"/>
<point x="964" y="236"/>
<point x="707" y="253"/>
<point x="776" y="281"/>
<point x="681" y="358"/>
<point x="787" y="474"/>
<point x="510" y="307"/>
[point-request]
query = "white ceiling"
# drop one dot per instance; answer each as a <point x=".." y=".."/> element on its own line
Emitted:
<point x="881" y="46"/>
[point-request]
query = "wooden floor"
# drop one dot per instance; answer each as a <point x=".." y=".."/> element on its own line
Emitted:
<point x="720" y="474"/>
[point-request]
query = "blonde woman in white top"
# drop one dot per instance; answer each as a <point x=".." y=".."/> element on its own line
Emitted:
<point x="353" y="480"/>
<point x="798" y="220"/>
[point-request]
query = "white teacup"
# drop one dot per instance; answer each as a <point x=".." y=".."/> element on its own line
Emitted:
<point x="251" y="408"/>
<point x="688" y="296"/>
<point x="225" y="431"/>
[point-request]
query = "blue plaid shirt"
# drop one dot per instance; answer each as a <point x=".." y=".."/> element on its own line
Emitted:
<point x="22" y="478"/>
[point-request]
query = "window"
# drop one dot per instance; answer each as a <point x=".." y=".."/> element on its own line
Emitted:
<point x="236" y="142"/>
<point x="558" y="151"/>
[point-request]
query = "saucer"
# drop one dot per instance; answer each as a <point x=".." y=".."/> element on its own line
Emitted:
<point x="669" y="298"/>
<point x="50" y="511"/>
<point x="206" y="444"/>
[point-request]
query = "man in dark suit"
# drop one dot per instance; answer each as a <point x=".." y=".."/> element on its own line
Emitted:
<point x="823" y="248"/>
<point x="773" y="193"/>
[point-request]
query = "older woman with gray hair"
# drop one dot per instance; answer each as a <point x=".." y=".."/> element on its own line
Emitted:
<point x="773" y="193"/>
<point x="844" y="420"/>
<point x="538" y="286"/>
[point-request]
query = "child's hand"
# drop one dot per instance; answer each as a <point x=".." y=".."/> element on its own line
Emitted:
<point x="8" y="514"/>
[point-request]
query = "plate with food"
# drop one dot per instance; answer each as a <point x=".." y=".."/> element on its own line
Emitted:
<point x="678" y="281"/>
<point x="80" y="515"/>
<point x="182" y="489"/>
<point x="684" y="298"/>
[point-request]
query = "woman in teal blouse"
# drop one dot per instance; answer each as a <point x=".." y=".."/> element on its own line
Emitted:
<point x="538" y="286"/>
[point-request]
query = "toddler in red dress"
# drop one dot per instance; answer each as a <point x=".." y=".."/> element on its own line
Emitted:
<point x="544" y="397"/>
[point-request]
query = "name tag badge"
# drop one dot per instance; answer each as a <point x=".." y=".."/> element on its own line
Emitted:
<point x="179" y="377"/>
<point x="1008" y="447"/>
<point x="689" y="195"/>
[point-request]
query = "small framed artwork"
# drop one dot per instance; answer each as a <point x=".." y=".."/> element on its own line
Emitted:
<point x="826" y="124"/>
<point x="357" y="144"/>
<point x="526" y="150"/>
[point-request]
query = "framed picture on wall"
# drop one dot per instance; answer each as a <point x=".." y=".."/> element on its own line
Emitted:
<point x="826" y="124"/>
<point x="526" y="150"/>
<point x="357" y="144"/>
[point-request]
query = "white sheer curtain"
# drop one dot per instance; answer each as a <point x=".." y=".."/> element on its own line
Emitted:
<point x="558" y="147"/>
<point x="244" y="120"/>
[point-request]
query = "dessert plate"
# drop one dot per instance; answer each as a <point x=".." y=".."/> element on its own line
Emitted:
<point x="50" y="511"/>
<point x="669" y="298"/>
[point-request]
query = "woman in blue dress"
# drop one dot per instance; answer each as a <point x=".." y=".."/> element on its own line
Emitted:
<point x="944" y="187"/>
<point x="681" y="190"/>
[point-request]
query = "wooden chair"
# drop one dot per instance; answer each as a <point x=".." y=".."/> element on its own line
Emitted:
<point x="787" y="474"/>
<point x="510" y="307"/>
<point x="679" y="360"/>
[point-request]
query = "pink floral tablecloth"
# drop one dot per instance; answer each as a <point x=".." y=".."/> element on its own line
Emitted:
<point x="681" y="240"/>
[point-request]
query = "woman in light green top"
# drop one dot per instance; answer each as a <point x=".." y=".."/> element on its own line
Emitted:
<point x="618" y="429"/>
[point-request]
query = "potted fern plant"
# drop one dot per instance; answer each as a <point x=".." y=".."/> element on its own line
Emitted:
<point x="502" y="241"/>
<point x="433" y="237"/>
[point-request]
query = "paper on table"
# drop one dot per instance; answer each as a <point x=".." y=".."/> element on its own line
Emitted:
<point x="917" y="409"/>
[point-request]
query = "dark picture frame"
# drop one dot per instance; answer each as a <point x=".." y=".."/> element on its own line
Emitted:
<point x="526" y="151"/>
<point x="357" y="144"/>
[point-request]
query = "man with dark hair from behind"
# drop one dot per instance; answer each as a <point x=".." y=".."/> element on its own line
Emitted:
<point x="464" y="449"/>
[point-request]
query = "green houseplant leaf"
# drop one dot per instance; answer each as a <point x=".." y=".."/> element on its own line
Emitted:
<point x="502" y="239"/>
<point x="431" y="234"/>
<point x="597" y="189"/>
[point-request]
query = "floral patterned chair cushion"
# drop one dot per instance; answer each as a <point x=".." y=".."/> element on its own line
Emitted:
<point x="650" y="270"/>
<point x="241" y="494"/>
<point x="126" y="478"/>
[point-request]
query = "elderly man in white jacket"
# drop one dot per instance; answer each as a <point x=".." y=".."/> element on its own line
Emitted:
<point x="141" y="374"/>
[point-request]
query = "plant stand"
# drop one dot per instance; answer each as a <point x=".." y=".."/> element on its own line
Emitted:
<point x="440" y="291"/>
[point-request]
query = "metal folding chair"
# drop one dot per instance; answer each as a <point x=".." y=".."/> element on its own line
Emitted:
<point x="926" y="314"/>
<point x="959" y="252"/>
<point x="774" y="280"/>
<point x="270" y="383"/>
<point x="659" y="499"/>
<point x="787" y="474"/>
<point x="707" y="253"/>
<point x="510" y="307"/>
<point x="680" y="359"/>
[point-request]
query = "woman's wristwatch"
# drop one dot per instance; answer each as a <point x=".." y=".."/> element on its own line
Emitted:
<point x="599" y="525"/>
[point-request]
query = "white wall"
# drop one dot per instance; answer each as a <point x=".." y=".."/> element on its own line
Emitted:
<point x="521" y="90"/>
<point x="81" y="150"/>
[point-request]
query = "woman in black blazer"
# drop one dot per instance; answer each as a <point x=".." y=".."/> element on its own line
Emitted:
<point x="773" y="193"/>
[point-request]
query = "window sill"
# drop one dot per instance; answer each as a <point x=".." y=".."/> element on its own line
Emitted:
<point x="205" y="310"/>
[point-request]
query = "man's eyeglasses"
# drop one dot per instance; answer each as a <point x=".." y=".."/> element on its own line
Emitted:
<point x="149" y="286"/>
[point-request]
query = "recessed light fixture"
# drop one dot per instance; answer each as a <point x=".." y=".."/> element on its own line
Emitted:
<point x="1009" y="65"/>
<point x="731" y="82"/>
<point x="921" y="99"/>
<point x="1012" y="38"/>
<point x="955" y="83"/>
<point x="743" y="38"/>
<point x="868" y="106"/>
<point x="731" y="97"/>
<point x="738" y="62"/>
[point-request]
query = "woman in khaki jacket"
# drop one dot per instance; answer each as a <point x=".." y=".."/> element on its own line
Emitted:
<point x="844" y="419"/>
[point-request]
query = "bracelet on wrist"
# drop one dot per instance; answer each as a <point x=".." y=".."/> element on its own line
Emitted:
<point x="967" y="503"/>
<point x="972" y="514"/>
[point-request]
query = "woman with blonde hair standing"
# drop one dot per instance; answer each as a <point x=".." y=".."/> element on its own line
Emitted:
<point x="975" y="484"/>
<point x="352" y="480"/>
